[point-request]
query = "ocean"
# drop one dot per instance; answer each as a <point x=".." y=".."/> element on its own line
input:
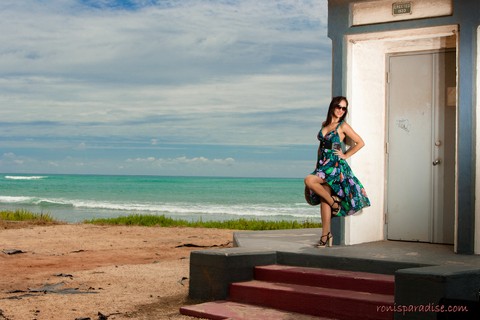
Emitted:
<point x="74" y="198"/>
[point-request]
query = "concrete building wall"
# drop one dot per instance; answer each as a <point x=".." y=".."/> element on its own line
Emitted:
<point x="359" y="45"/>
<point x="366" y="89"/>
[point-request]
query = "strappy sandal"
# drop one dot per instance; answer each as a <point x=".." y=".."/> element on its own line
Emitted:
<point x="336" y="209"/>
<point x="327" y="243"/>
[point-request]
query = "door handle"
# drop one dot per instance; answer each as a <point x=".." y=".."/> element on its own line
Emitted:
<point x="436" y="162"/>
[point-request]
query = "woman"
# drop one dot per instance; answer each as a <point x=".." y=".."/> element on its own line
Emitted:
<point x="333" y="183"/>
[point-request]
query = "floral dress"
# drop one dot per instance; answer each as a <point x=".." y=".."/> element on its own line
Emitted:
<point x="339" y="176"/>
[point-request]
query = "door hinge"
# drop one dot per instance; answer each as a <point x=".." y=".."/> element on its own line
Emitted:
<point x="387" y="77"/>
<point x="385" y="215"/>
<point x="386" y="147"/>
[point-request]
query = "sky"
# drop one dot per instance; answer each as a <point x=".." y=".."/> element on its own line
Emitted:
<point x="235" y="88"/>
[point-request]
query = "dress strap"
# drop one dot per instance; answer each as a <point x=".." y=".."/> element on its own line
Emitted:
<point x="338" y="126"/>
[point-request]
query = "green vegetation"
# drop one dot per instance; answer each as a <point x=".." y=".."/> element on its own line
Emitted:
<point x="24" y="215"/>
<point x="162" y="221"/>
<point x="239" y="224"/>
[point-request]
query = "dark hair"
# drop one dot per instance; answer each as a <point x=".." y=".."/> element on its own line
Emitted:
<point x="333" y="104"/>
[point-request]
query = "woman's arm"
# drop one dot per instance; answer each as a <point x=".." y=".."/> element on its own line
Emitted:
<point x="356" y="139"/>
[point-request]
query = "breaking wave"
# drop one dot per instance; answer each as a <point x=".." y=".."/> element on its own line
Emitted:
<point x="25" y="177"/>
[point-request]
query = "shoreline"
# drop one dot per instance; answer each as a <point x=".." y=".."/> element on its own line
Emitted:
<point x="123" y="272"/>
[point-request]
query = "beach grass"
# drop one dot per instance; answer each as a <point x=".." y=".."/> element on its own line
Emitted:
<point x="237" y="224"/>
<point x="163" y="221"/>
<point x="24" y="215"/>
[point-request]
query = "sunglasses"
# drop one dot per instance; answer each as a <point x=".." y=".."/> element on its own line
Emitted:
<point x="339" y="107"/>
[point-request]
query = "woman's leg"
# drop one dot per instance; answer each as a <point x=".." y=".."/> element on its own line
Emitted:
<point x="328" y="206"/>
<point x="316" y="184"/>
<point x="326" y="212"/>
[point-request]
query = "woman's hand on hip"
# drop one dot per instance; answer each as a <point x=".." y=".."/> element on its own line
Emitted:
<point x="340" y="154"/>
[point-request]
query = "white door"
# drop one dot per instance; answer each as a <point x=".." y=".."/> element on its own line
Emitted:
<point x="421" y="147"/>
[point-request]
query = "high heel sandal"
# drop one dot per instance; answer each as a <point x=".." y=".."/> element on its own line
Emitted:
<point x="336" y="200"/>
<point x="327" y="243"/>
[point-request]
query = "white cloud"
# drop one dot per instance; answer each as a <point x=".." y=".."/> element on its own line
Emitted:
<point x="81" y="146"/>
<point x="9" y="155"/>
<point x="171" y="72"/>
<point x="142" y="160"/>
<point x="11" y="159"/>
<point x="181" y="160"/>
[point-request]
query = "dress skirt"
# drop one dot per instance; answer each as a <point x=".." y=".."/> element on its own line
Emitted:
<point x="339" y="176"/>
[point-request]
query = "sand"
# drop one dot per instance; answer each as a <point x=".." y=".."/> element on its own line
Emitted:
<point x="81" y="271"/>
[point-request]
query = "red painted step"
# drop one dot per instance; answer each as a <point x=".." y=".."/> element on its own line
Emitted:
<point x="334" y="303"/>
<point x="278" y="291"/>
<point x="220" y="310"/>
<point x="329" y="278"/>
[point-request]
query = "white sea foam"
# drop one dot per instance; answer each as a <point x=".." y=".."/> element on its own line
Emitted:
<point x="166" y="208"/>
<point x="196" y="209"/>
<point x="25" y="177"/>
<point x="8" y="199"/>
<point x="33" y="201"/>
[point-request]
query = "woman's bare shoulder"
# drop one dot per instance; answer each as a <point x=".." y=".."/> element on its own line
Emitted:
<point x="344" y="125"/>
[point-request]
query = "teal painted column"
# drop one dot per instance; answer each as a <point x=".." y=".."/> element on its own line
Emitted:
<point x="338" y="13"/>
<point x="469" y="18"/>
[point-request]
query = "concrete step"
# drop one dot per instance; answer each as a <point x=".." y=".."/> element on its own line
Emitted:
<point x="317" y="301"/>
<point x="329" y="278"/>
<point x="220" y="310"/>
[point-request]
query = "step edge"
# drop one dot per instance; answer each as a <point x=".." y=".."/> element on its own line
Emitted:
<point x="326" y="272"/>
<point x="256" y="284"/>
<point x="186" y="311"/>
<point x="325" y="309"/>
<point x="321" y="291"/>
<point x="219" y="314"/>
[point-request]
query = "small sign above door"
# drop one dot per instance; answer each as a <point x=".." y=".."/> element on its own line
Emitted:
<point x="401" y="8"/>
<point x="365" y="12"/>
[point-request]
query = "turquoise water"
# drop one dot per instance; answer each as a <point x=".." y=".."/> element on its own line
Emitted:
<point x="74" y="198"/>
